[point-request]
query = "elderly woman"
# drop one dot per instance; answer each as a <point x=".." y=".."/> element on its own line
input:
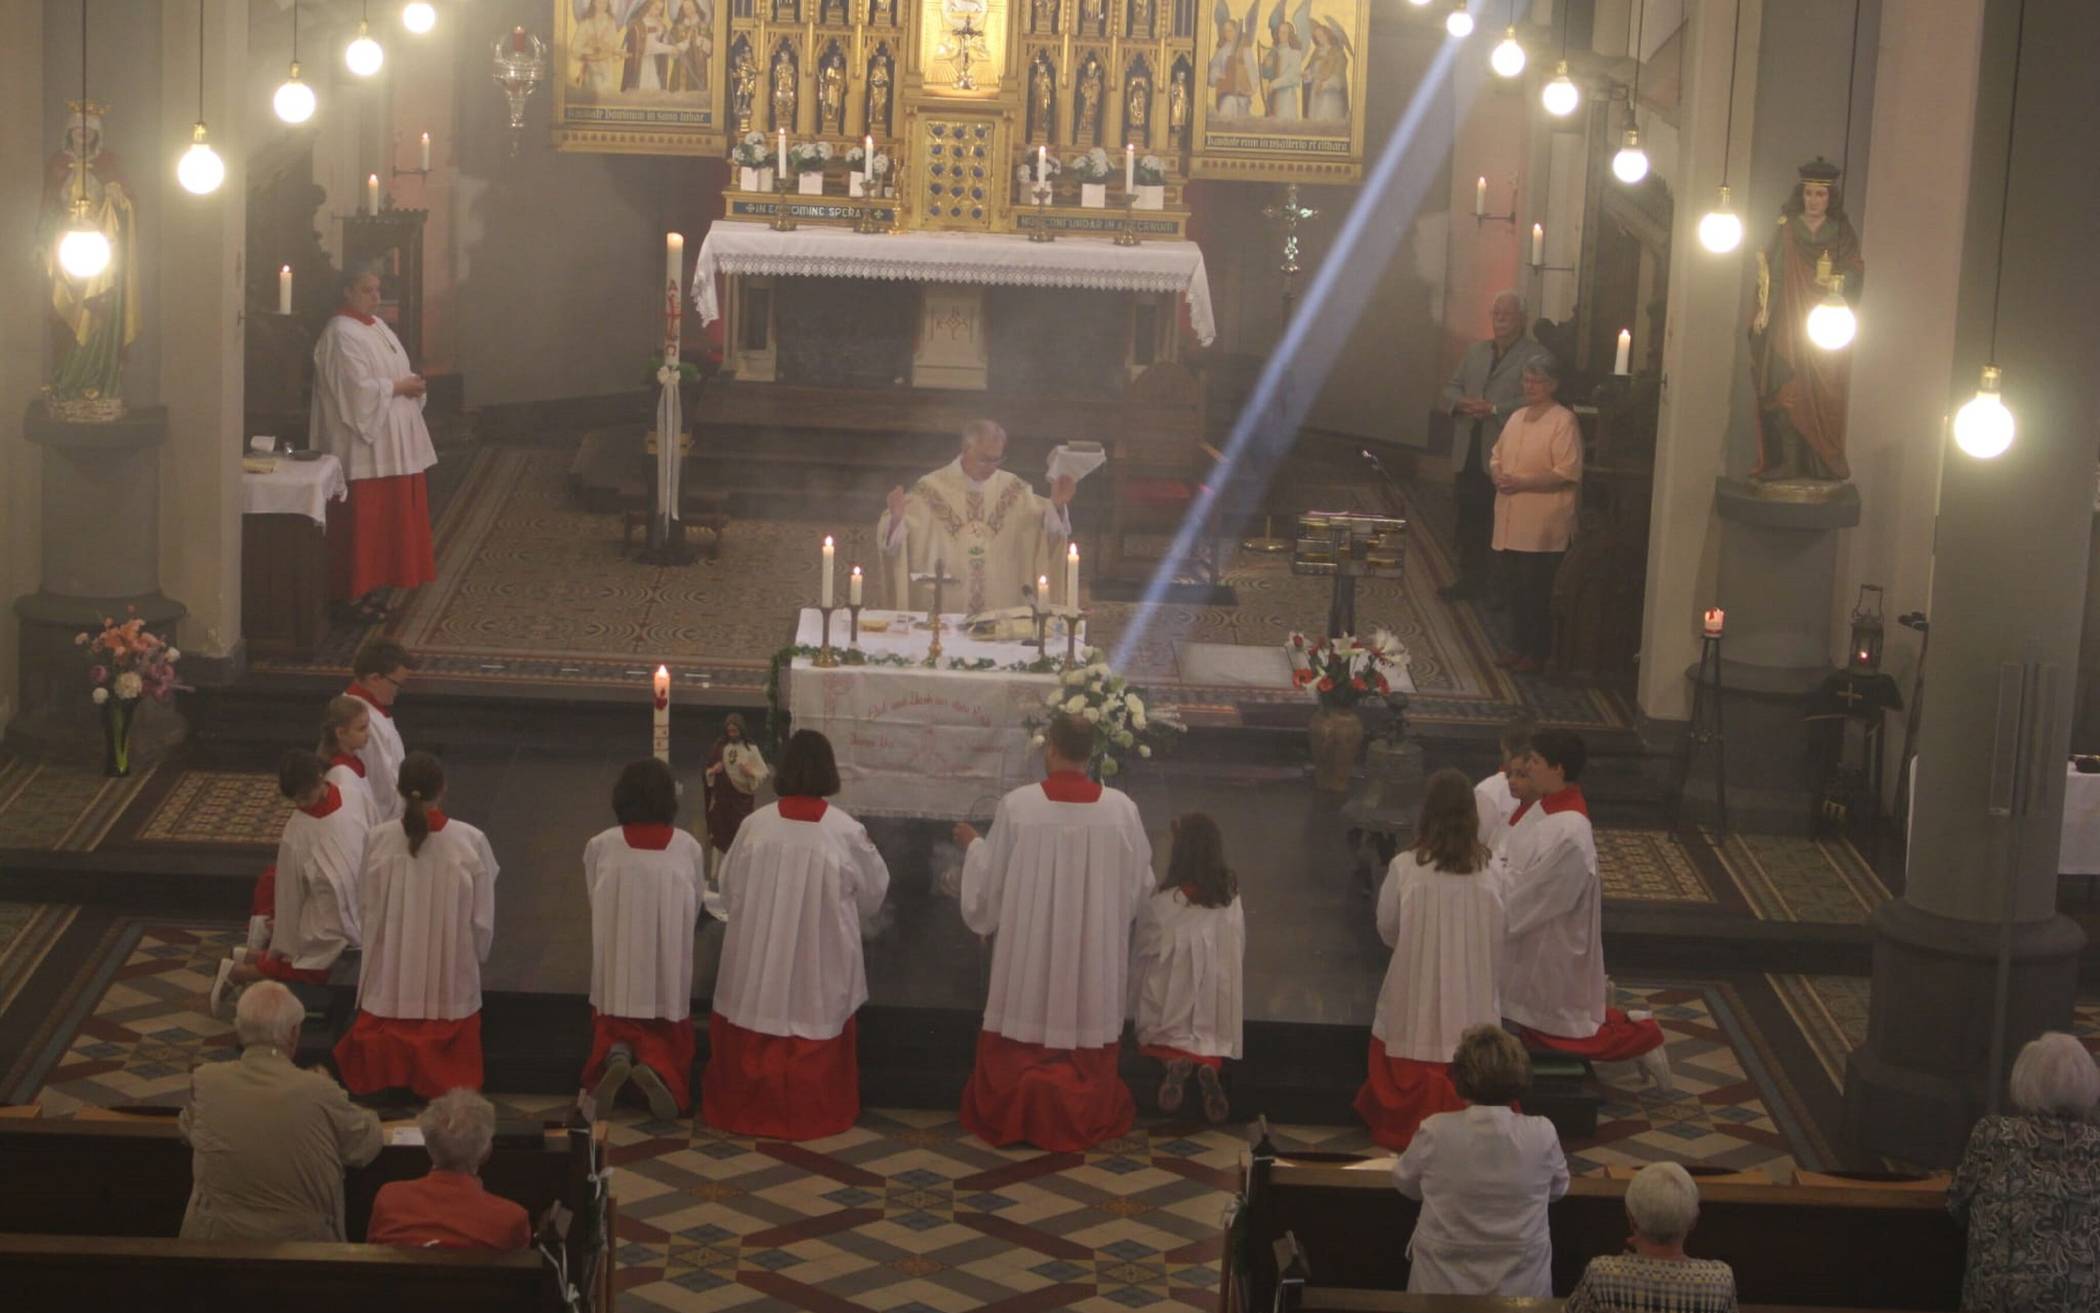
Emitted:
<point x="1662" y="1204"/>
<point x="2028" y="1187"/>
<point x="447" y="1208"/>
<point x="1484" y="1176"/>
<point x="1536" y="467"/>
<point x="270" y="1141"/>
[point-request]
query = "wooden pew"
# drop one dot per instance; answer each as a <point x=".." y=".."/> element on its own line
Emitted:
<point x="1841" y="1246"/>
<point x="1320" y="1300"/>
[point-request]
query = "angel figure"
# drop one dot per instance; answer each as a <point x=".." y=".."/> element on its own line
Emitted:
<point x="1235" y="68"/>
<point x="1327" y="73"/>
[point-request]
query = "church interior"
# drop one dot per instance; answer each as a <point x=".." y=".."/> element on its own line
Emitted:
<point x="1792" y="525"/>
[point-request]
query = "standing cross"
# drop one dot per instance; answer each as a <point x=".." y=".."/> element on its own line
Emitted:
<point x="1290" y="212"/>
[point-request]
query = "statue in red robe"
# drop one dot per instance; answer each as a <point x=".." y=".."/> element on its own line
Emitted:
<point x="1801" y="386"/>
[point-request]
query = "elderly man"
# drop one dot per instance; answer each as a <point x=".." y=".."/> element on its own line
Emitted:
<point x="981" y="525"/>
<point x="448" y="1209"/>
<point x="1486" y="390"/>
<point x="270" y="1141"/>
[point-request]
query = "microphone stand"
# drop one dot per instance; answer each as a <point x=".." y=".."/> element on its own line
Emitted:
<point x="1397" y="498"/>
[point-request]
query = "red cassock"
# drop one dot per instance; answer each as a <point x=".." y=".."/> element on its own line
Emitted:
<point x="1619" y="1039"/>
<point x="446" y="1210"/>
<point x="1399" y="1094"/>
<point x="1063" y="1100"/>
<point x="380" y="537"/>
<point x="663" y="1046"/>
<point x="429" y="1056"/>
<point x="781" y="1087"/>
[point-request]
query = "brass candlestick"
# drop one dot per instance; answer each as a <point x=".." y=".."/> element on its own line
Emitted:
<point x="1128" y="234"/>
<point x="825" y="659"/>
<point x="1041" y="232"/>
<point x="853" y="616"/>
<point x="1073" y="615"/>
<point x="783" y="220"/>
<point x="938" y="577"/>
<point x="866" y="222"/>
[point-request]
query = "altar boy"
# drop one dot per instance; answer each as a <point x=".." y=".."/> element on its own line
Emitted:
<point x="1059" y="882"/>
<point x="378" y="673"/>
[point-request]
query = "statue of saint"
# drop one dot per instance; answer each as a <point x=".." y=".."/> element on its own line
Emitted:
<point x="95" y="319"/>
<point x="1094" y="14"/>
<point x="883" y="12"/>
<point x="784" y="90"/>
<point x="1043" y="17"/>
<point x="1087" y="128"/>
<point x="1178" y="104"/>
<point x="1141" y="17"/>
<point x="743" y="96"/>
<point x="1042" y="122"/>
<point x="831" y="91"/>
<point x="1800" y="386"/>
<point x="1137" y="107"/>
<point x="879" y="92"/>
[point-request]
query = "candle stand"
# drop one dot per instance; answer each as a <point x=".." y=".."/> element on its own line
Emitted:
<point x="939" y="578"/>
<point x="1704" y="729"/>
<point x="825" y="659"/>
<point x="783" y="219"/>
<point x="1127" y="235"/>
<point x="1073" y="615"/>
<point x="853" y="629"/>
<point x="1041" y="232"/>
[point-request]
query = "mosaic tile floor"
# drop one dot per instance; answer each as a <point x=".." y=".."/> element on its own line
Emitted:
<point x="50" y="808"/>
<point x="1786" y="878"/>
<point x="218" y="807"/>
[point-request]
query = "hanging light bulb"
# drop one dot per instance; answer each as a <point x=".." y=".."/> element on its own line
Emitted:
<point x="1630" y="165"/>
<point x="363" y="55"/>
<point x="83" y="249"/>
<point x="1831" y="325"/>
<point x="1419" y="4"/>
<point x="1459" y="23"/>
<point x="418" y="17"/>
<point x="1984" y="427"/>
<point x="1720" y="230"/>
<point x="294" y="101"/>
<point x="1560" y="96"/>
<point x="200" y="170"/>
<point x="1507" y="58"/>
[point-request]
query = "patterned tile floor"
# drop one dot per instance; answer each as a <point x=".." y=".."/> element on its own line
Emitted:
<point x="52" y="808"/>
<point x="1831" y="1012"/>
<point x="1786" y="878"/>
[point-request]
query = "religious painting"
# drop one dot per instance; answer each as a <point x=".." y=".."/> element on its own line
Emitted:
<point x="1282" y="94"/>
<point x="638" y="76"/>
<point x="962" y="46"/>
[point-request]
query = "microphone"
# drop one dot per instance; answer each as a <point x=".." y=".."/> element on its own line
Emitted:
<point x="1365" y="452"/>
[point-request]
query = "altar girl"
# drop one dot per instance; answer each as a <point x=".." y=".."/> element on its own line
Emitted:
<point x="1185" y="973"/>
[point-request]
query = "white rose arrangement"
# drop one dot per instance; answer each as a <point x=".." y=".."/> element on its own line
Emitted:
<point x="1123" y="724"/>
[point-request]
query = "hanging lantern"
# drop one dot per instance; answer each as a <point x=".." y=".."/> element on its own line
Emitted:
<point x="518" y="61"/>
<point x="1865" y="656"/>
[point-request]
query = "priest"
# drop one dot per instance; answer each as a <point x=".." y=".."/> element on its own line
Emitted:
<point x="983" y="526"/>
<point x="1553" y="985"/>
<point x="1059" y="883"/>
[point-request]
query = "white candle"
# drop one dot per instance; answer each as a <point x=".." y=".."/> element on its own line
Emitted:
<point x="824" y="585"/>
<point x="1042" y="164"/>
<point x="1042" y="592"/>
<point x="674" y="259"/>
<point x="783" y="152"/>
<point x="424" y="154"/>
<point x="1072" y="575"/>
<point x="284" y="290"/>
<point x="1538" y="243"/>
<point x="1619" y="362"/>
<point x="1129" y="168"/>
<point x="853" y="583"/>
<point x="1480" y="196"/>
<point x="660" y="716"/>
<point x="372" y="192"/>
<point x="1714" y="617"/>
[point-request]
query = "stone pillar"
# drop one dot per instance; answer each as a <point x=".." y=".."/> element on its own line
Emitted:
<point x="2009" y="564"/>
<point x="21" y="337"/>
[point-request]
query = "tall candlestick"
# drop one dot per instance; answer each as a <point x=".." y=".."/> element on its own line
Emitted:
<point x="1480" y="196"/>
<point x="284" y="290"/>
<point x="783" y="152"/>
<point x="1538" y="243"/>
<point x="824" y="586"/>
<point x="372" y="192"/>
<point x="1072" y="575"/>
<point x="424" y="153"/>
<point x="1620" y="361"/>
<point x="853" y="585"/>
<point x="1129" y="169"/>
<point x="660" y="716"/>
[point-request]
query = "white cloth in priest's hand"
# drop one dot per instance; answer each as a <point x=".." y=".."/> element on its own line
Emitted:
<point x="1076" y="460"/>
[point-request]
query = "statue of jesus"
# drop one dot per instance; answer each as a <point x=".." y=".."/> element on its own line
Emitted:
<point x="979" y="523"/>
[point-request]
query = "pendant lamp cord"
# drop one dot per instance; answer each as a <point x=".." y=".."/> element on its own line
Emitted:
<point x="1633" y="99"/>
<point x="200" y="59"/>
<point x="83" y="103"/>
<point x="295" y="31"/>
<point x="1852" y="77"/>
<point x="2012" y="120"/>
<point x="1735" y="51"/>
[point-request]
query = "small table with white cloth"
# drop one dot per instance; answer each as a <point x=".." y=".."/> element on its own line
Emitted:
<point x="2080" y="851"/>
<point x="284" y="554"/>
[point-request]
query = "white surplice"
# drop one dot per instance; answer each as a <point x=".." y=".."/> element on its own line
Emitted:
<point x="995" y="538"/>
<point x="1553" y="959"/>
<point x="1484" y="1176"/>
<point x="1187" y="962"/>
<point x="355" y="415"/>
<point x="795" y="894"/>
<point x="1446" y="934"/>
<point x="1060" y="884"/>
<point x="1496" y="804"/>
<point x="644" y="904"/>
<point x="319" y="862"/>
<point x="428" y="922"/>
<point x="382" y="756"/>
<point x="356" y="791"/>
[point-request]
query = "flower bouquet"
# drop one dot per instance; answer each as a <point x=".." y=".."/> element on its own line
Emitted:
<point x="1343" y="671"/>
<point x="1123" y="726"/>
<point x="754" y="161"/>
<point x="126" y="663"/>
<point x="806" y="160"/>
<point x="867" y="177"/>
<point x="1150" y="177"/>
<point x="1093" y="170"/>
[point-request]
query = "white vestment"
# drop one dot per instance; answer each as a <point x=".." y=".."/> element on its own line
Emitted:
<point x="1484" y="1176"/>
<point x="796" y="894"/>
<point x="1284" y="88"/>
<point x="356" y="791"/>
<point x="382" y="756"/>
<point x="355" y="416"/>
<point x="319" y="862"/>
<point x="428" y="921"/>
<point x="1446" y="934"/>
<point x="644" y="904"/>
<point x="1553" y="959"/>
<point x="1059" y="883"/>
<point x="1496" y="804"/>
<point x="1187" y="962"/>
<point x="994" y="538"/>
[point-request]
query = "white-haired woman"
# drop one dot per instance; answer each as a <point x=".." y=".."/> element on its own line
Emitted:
<point x="1662" y="1205"/>
<point x="447" y="1208"/>
<point x="2028" y="1187"/>
<point x="269" y="1142"/>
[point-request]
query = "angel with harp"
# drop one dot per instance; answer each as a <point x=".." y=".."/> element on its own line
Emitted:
<point x="1235" y="75"/>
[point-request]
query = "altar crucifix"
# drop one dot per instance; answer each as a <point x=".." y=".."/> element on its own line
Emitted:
<point x="967" y="39"/>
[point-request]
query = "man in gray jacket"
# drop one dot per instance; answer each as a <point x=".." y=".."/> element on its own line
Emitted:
<point x="1486" y="390"/>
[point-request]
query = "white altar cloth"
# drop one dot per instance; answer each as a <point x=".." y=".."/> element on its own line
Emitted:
<point x="986" y="259"/>
<point x="910" y="741"/>
<point x="295" y="487"/>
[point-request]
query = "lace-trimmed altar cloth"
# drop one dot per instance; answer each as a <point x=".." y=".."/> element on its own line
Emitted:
<point x="986" y="259"/>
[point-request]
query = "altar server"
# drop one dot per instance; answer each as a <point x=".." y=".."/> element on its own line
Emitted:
<point x="313" y="886"/>
<point x="429" y="918"/>
<point x="1495" y="797"/>
<point x="346" y="726"/>
<point x="643" y="877"/>
<point x="378" y="672"/>
<point x="1186" y="962"/>
<point x="1441" y="912"/>
<point x="368" y="413"/>
<point x="1059" y="883"/>
<point x="1553" y="986"/>
<point x="799" y="882"/>
<point x="981" y="524"/>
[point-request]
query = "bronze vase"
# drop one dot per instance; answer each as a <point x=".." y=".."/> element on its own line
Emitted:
<point x="1336" y="736"/>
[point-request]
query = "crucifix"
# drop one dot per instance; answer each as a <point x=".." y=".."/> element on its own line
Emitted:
<point x="1289" y="212"/>
<point x="966" y="38"/>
